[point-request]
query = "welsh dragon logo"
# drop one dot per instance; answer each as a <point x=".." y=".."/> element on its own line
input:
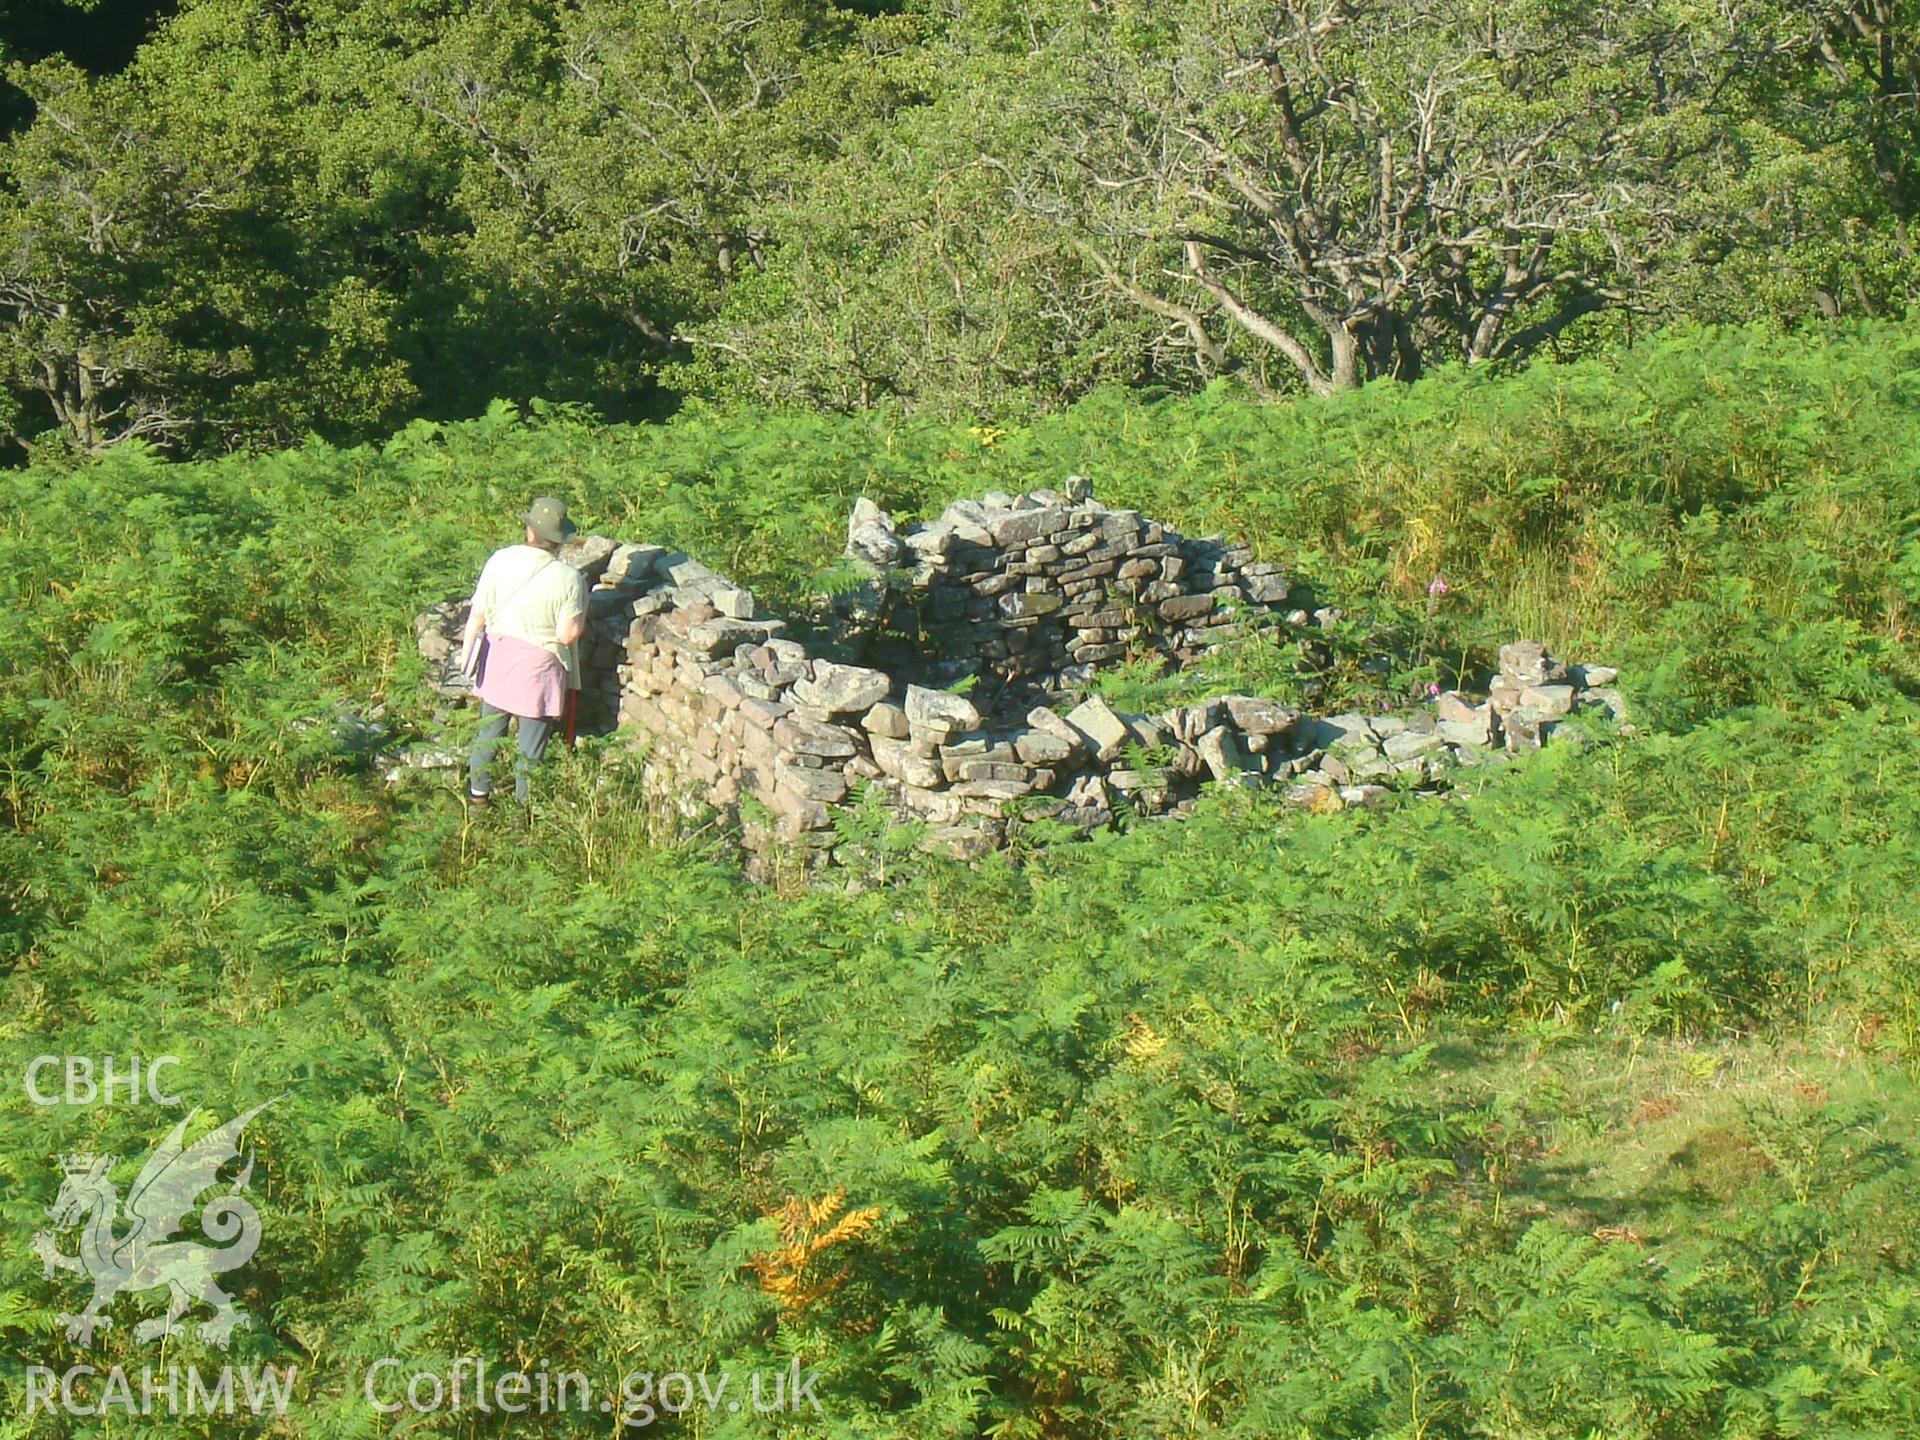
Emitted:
<point x="146" y="1257"/>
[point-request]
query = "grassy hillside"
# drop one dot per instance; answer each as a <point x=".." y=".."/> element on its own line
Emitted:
<point x="1585" y="1106"/>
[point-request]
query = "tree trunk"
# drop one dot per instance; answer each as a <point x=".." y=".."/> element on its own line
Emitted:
<point x="1349" y="370"/>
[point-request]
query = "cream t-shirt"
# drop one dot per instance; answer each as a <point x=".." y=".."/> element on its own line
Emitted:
<point x="525" y="593"/>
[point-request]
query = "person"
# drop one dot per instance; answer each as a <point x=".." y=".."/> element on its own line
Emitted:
<point x="531" y="607"/>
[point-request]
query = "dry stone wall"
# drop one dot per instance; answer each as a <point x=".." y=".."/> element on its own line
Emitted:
<point x="1030" y="593"/>
<point x="1027" y="595"/>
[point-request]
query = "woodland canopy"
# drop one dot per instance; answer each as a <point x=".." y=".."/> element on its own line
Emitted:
<point x="331" y="216"/>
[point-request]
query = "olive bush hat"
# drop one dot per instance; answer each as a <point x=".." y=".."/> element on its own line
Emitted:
<point x="547" y="518"/>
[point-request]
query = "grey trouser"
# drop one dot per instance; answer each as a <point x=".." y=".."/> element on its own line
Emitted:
<point x="534" y="735"/>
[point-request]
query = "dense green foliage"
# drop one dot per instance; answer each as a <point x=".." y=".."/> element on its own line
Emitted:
<point x="1584" y="1105"/>
<point x="333" y="216"/>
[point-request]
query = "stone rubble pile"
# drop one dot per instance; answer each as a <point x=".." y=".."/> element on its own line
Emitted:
<point x="1028" y="595"/>
<point x="1527" y="701"/>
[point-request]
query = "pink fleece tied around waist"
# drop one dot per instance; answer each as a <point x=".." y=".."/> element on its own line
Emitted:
<point x="522" y="679"/>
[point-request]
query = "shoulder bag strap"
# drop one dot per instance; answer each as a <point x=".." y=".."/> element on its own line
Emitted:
<point x="521" y="587"/>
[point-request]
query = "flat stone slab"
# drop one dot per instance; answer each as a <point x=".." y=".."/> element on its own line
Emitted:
<point x="1256" y="716"/>
<point x="941" y="709"/>
<point x="1106" y="733"/>
<point x="842" y="689"/>
<point x="722" y="636"/>
<point x="811" y="737"/>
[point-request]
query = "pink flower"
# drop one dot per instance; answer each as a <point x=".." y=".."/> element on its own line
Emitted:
<point x="1433" y="689"/>
<point x="1437" y="586"/>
